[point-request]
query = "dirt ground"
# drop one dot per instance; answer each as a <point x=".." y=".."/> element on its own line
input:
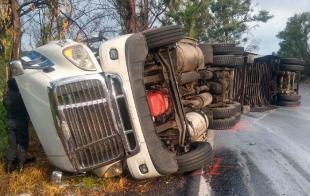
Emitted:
<point x="35" y="180"/>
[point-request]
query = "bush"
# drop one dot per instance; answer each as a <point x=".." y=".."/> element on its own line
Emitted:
<point x="3" y="120"/>
<point x="3" y="130"/>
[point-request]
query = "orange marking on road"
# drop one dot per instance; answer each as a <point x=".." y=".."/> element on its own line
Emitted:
<point x="242" y="125"/>
<point x="214" y="169"/>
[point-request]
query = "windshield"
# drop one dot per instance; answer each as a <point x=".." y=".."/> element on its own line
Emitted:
<point x="35" y="59"/>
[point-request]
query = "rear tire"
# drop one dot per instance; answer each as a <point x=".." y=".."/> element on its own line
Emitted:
<point x="239" y="50"/>
<point x="219" y="49"/>
<point x="163" y="36"/>
<point x="289" y="103"/>
<point x="225" y="112"/>
<point x="238" y="117"/>
<point x="238" y="106"/>
<point x="262" y="109"/>
<point x="199" y="156"/>
<point x="227" y="60"/>
<point x="289" y="67"/>
<point x="283" y="97"/>
<point x="207" y="52"/>
<point x="295" y="61"/>
<point x="225" y="123"/>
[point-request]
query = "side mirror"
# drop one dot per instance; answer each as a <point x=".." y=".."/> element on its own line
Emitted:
<point x="16" y="68"/>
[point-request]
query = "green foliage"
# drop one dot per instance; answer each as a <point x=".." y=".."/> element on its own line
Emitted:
<point x="89" y="182"/>
<point x="49" y="29"/>
<point x="3" y="121"/>
<point x="3" y="131"/>
<point x="296" y="39"/>
<point x="193" y="15"/>
<point x="6" y="40"/>
<point x="215" y="20"/>
<point x="44" y="31"/>
<point x="230" y="19"/>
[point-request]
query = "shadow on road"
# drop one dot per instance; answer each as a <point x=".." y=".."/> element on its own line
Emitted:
<point x="227" y="174"/>
<point x="236" y="174"/>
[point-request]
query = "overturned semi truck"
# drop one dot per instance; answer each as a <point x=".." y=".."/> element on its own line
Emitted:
<point x="147" y="102"/>
<point x="143" y="107"/>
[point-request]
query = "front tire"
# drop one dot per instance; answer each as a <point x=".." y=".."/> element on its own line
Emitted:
<point x="200" y="155"/>
<point x="163" y="36"/>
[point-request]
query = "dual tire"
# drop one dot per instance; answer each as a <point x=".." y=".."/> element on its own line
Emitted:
<point x="227" y="49"/>
<point x="226" y="123"/>
<point x="225" y="117"/>
<point x="289" y="100"/>
<point x="227" y="55"/>
<point x="291" y="64"/>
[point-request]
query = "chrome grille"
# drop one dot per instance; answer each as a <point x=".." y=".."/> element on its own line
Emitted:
<point x="87" y="124"/>
<point x="121" y="104"/>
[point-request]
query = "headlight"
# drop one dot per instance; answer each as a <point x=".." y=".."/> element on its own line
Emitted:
<point x="79" y="57"/>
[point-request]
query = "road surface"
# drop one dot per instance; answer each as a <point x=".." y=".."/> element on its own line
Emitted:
<point x="264" y="154"/>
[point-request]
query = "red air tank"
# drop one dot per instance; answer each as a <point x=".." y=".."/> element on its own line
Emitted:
<point x="158" y="102"/>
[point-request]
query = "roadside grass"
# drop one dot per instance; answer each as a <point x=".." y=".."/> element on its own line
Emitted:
<point x="35" y="180"/>
<point x="3" y="131"/>
<point x="3" y="121"/>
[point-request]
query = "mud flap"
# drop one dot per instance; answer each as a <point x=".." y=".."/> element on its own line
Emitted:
<point x="136" y="51"/>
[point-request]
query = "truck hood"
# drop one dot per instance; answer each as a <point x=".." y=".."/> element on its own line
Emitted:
<point x="63" y="68"/>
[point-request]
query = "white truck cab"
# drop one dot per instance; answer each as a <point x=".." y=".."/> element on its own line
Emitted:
<point x="128" y="111"/>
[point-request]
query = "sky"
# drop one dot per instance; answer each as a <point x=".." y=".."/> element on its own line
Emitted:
<point x="266" y="33"/>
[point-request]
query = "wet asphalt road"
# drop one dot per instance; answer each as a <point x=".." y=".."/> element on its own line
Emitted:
<point x="264" y="154"/>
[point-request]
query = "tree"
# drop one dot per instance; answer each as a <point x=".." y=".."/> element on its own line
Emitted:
<point x="16" y="29"/>
<point x="230" y="19"/>
<point x="139" y="15"/>
<point x="296" y="37"/>
<point x="6" y="39"/>
<point x="193" y="15"/>
<point x="127" y="15"/>
<point x="15" y="11"/>
<point x="215" y="20"/>
<point x="143" y="17"/>
<point x="131" y="20"/>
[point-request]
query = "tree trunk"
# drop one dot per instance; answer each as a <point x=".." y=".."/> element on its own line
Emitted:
<point x="17" y="30"/>
<point x="144" y="14"/>
<point x="131" y="18"/>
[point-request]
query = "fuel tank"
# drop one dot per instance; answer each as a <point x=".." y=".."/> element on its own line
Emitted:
<point x="188" y="56"/>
